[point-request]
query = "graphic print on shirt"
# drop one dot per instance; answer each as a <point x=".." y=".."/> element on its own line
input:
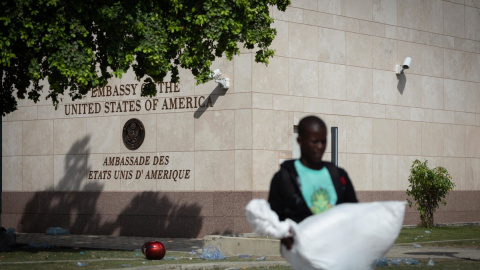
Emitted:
<point x="320" y="201"/>
<point x="317" y="188"/>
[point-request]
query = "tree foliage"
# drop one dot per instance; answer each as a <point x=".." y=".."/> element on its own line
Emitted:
<point x="79" y="45"/>
<point x="428" y="188"/>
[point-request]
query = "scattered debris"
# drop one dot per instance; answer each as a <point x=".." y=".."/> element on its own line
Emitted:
<point x="211" y="252"/>
<point x="8" y="238"/>
<point x="397" y="261"/>
<point x="56" y="231"/>
<point x="43" y="245"/>
<point x="382" y="262"/>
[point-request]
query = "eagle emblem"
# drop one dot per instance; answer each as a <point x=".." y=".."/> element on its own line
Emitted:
<point x="133" y="134"/>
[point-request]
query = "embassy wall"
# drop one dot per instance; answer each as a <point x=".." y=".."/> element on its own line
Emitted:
<point x="71" y="167"/>
<point x="206" y="151"/>
<point x="336" y="59"/>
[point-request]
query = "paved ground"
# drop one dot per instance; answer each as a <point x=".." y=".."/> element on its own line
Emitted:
<point x="434" y="252"/>
<point x="107" y="242"/>
<point x="188" y="245"/>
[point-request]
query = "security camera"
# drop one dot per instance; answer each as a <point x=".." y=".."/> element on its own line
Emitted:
<point x="216" y="75"/>
<point x="225" y="82"/>
<point x="407" y="63"/>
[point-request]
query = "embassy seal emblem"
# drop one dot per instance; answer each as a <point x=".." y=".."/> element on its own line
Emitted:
<point x="133" y="134"/>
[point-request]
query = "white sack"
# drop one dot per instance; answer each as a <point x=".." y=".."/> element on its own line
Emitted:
<point x="346" y="237"/>
<point x="265" y="222"/>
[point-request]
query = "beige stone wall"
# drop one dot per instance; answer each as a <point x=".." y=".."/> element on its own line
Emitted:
<point x="44" y="149"/>
<point x="334" y="59"/>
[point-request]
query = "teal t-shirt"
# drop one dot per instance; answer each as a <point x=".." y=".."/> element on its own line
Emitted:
<point x="317" y="188"/>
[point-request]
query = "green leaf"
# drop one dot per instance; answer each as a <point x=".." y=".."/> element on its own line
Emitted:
<point x="428" y="187"/>
<point x="155" y="38"/>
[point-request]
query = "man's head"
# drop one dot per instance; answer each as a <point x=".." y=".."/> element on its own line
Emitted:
<point x="312" y="139"/>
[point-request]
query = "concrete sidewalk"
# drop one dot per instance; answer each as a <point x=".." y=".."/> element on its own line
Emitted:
<point x="135" y="243"/>
<point x="270" y="247"/>
<point x="230" y="245"/>
<point x="434" y="253"/>
<point x="107" y="241"/>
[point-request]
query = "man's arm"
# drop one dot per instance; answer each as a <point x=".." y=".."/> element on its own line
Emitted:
<point x="276" y="201"/>
<point x="275" y="196"/>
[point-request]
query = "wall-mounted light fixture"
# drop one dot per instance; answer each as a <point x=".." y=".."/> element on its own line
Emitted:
<point x="216" y="75"/>
<point x="406" y="65"/>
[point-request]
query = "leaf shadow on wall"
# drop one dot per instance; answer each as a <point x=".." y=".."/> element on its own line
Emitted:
<point x="154" y="214"/>
<point x="81" y="207"/>
<point x="214" y="95"/>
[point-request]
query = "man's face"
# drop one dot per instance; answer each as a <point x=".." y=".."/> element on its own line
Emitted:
<point x="313" y="144"/>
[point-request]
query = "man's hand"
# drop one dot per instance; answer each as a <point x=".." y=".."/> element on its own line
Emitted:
<point x="287" y="242"/>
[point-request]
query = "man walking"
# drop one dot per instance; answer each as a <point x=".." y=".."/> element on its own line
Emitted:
<point x="309" y="185"/>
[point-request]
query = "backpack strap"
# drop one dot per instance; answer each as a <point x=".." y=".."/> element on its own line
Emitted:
<point x="297" y="208"/>
<point x="291" y="182"/>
